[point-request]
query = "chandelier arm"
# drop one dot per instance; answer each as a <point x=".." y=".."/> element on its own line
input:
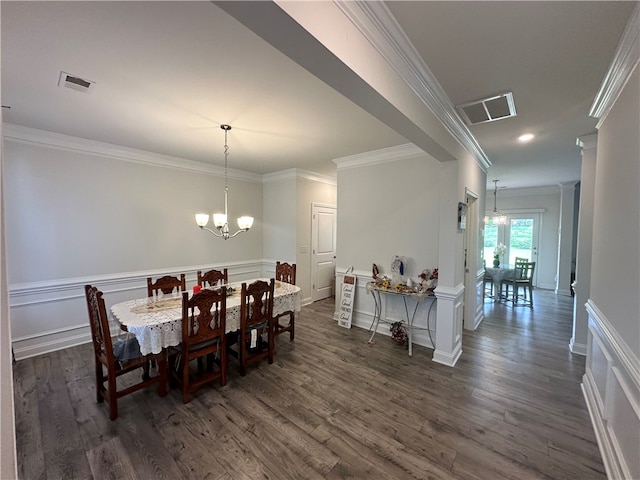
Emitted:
<point x="213" y="232"/>
<point x="239" y="231"/>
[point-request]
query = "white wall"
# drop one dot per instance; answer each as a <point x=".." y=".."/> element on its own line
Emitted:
<point x="546" y="199"/>
<point x="612" y="379"/>
<point x="8" y="463"/>
<point x="75" y="215"/>
<point x="615" y="281"/>
<point x="279" y="213"/>
<point x="70" y="214"/>
<point x="389" y="209"/>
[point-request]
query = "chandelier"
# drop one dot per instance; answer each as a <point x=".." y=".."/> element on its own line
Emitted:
<point x="497" y="217"/>
<point x="220" y="219"/>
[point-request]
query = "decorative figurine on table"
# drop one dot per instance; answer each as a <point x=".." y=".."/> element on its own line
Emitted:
<point x="428" y="280"/>
<point x="398" y="266"/>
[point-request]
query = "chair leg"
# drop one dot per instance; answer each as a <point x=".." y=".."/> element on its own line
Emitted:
<point x="223" y="364"/>
<point x="113" y="397"/>
<point x="271" y="345"/>
<point x="99" y="381"/>
<point x="243" y="355"/>
<point x="162" y="373"/>
<point x="185" y="380"/>
<point x="145" y="371"/>
<point x="293" y="325"/>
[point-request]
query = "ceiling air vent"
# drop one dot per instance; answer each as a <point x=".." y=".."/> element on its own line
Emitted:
<point x="488" y="109"/>
<point x="74" y="82"/>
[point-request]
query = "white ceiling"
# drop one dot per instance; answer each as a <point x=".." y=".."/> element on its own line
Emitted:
<point x="167" y="74"/>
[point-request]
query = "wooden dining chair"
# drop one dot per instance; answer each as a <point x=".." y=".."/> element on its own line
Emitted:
<point x="166" y="285"/>
<point x="285" y="272"/>
<point x="487" y="283"/>
<point x="203" y="335"/>
<point x="522" y="278"/>
<point x="256" y="322"/>
<point x="128" y="361"/>
<point x="506" y="284"/>
<point x="212" y="277"/>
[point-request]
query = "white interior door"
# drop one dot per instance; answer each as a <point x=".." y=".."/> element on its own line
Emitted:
<point x="323" y="251"/>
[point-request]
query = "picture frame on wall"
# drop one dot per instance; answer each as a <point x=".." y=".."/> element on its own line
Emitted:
<point x="462" y="215"/>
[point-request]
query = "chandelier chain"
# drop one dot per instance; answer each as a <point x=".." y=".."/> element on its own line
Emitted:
<point x="226" y="156"/>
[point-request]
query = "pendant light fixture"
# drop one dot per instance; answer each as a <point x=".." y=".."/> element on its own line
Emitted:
<point x="220" y="220"/>
<point x="497" y="218"/>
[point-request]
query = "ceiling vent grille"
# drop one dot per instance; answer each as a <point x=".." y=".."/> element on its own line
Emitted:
<point x="74" y="82"/>
<point x="488" y="109"/>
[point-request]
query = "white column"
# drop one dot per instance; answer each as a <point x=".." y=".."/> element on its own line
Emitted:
<point x="448" y="346"/>
<point x="582" y="284"/>
<point x="450" y="290"/>
<point x="565" y="238"/>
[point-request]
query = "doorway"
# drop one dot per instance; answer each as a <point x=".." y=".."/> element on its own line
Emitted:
<point x="473" y="304"/>
<point x="519" y="235"/>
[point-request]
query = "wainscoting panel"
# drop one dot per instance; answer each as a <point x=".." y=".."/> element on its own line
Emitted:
<point x="52" y="315"/>
<point x="611" y="386"/>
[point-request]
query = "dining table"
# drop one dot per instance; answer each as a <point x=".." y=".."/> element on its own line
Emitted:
<point x="502" y="272"/>
<point x="156" y="321"/>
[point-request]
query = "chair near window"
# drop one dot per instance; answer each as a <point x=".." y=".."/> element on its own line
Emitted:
<point x="522" y="278"/>
<point x="256" y="322"/>
<point x="203" y="335"/>
<point x="128" y="358"/>
<point x="286" y="273"/>
<point x="506" y="283"/>
<point x="487" y="283"/>
<point x="212" y="278"/>
<point x="166" y="285"/>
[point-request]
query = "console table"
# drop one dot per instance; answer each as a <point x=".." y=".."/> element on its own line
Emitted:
<point x="409" y="297"/>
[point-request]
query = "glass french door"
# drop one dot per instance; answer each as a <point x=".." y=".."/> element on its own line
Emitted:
<point x="520" y="235"/>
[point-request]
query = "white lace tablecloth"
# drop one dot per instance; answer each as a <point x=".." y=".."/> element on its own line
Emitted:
<point x="158" y="324"/>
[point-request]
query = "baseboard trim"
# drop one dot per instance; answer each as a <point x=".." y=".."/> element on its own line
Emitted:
<point x="448" y="359"/>
<point x="578" y="348"/>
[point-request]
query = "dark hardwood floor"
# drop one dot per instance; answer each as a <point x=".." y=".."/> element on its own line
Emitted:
<point x="330" y="407"/>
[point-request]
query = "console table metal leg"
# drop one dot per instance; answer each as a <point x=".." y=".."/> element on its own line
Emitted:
<point x="410" y="323"/>
<point x="377" y="312"/>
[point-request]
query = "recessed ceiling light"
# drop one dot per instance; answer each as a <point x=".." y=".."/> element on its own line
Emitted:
<point x="526" y="137"/>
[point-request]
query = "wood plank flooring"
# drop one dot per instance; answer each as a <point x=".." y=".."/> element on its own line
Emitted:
<point x="331" y="407"/>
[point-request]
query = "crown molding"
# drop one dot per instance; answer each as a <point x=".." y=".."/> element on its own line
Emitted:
<point x="381" y="29"/>
<point x="622" y="65"/>
<point x="33" y="136"/>
<point x="587" y="142"/>
<point x="385" y="155"/>
<point x="297" y="174"/>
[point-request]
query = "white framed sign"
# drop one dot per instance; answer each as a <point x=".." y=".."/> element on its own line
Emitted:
<point x="347" y="297"/>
